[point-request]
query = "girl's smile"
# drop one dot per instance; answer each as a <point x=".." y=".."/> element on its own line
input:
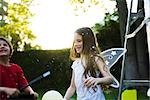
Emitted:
<point x="78" y="43"/>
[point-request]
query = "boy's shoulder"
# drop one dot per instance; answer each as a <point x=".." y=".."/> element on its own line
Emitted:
<point x="14" y="65"/>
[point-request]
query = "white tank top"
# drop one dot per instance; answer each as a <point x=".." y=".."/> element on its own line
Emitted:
<point x="84" y="93"/>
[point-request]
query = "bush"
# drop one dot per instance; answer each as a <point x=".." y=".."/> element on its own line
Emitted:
<point x="35" y="62"/>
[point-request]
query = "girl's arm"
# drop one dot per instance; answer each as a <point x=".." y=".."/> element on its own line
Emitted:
<point x="106" y="79"/>
<point x="71" y="90"/>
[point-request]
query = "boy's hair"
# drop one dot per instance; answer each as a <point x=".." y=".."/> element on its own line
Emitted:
<point x="9" y="43"/>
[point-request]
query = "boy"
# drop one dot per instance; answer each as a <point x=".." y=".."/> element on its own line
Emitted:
<point x="12" y="78"/>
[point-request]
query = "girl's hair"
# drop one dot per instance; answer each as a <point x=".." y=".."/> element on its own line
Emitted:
<point x="90" y="50"/>
<point x="9" y="43"/>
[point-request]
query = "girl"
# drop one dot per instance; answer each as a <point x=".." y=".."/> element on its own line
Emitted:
<point x="11" y="75"/>
<point x="89" y="69"/>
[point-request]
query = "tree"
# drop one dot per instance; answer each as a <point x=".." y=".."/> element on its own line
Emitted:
<point x="82" y="6"/>
<point x="3" y="12"/>
<point x="16" y="25"/>
<point x="108" y="34"/>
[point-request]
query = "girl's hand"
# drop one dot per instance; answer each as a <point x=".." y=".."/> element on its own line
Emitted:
<point x="91" y="82"/>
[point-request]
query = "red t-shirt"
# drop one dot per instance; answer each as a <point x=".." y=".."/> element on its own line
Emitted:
<point x="12" y="77"/>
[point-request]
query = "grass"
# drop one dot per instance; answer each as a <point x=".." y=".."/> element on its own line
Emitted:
<point x="42" y="91"/>
<point x="110" y="94"/>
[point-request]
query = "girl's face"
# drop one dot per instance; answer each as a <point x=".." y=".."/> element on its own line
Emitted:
<point x="4" y="48"/>
<point x="78" y="43"/>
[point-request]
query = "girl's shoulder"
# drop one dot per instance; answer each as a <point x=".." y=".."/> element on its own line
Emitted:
<point x="75" y="63"/>
<point x="98" y="57"/>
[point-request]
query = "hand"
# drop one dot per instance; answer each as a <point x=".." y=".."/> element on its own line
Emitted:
<point x="91" y="82"/>
<point x="11" y="92"/>
<point x="35" y="95"/>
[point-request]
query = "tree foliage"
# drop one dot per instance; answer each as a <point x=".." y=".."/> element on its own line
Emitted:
<point x="3" y="12"/>
<point x="108" y="34"/>
<point x="82" y="6"/>
<point x="16" y="25"/>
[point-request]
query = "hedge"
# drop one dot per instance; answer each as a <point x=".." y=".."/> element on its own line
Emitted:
<point x="35" y="62"/>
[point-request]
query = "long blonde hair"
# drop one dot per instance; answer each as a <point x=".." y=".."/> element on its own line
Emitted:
<point x="90" y="50"/>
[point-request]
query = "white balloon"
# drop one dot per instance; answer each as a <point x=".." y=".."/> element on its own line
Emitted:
<point x="52" y="95"/>
<point x="148" y="92"/>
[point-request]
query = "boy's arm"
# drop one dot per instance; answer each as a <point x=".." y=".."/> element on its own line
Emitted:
<point x="10" y="91"/>
<point x="31" y="92"/>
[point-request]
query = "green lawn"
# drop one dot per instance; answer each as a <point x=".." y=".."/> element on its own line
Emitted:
<point x="110" y="94"/>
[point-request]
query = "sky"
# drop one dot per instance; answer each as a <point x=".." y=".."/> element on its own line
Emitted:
<point x="54" y="22"/>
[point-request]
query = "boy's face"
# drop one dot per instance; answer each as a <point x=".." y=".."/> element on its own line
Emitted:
<point x="4" y="48"/>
